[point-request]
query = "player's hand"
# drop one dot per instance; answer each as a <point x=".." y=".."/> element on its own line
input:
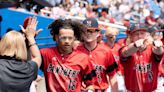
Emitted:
<point x="90" y="91"/>
<point x="30" y="30"/>
<point x="90" y="88"/>
<point x="139" y="43"/>
<point x="157" y="43"/>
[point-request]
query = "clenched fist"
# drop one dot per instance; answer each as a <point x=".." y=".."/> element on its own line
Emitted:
<point x="157" y="43"/>
<point x="139" y="43"/>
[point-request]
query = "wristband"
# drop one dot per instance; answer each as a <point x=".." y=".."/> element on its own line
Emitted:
<point x="32" y="44"/>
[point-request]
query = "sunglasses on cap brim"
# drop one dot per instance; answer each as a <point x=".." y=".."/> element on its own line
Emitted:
<point x="158" y="33"/>
<point x="92" y="30"/>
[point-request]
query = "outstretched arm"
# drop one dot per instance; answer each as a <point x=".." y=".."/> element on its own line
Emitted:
<point x="133" y="48"/>
<point x="30" y="33"/>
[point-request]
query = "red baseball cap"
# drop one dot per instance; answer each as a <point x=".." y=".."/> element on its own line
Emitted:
<point x="26" y="22"/>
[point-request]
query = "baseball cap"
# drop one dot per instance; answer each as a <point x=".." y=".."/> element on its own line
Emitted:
<point x="91" y="23"/>
<point x="153" y="29"/>
<point x="138" y="27"/>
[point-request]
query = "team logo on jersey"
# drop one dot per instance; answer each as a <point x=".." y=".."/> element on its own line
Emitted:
<point x="62" y="71"/>
<point x="72" y="85"/>
<point x="150" y="76"/>
<point x="146" y="69"/>
<point x="143" y="68"/>
<point x="69" y="73"/>
<point x="99" y="69"/>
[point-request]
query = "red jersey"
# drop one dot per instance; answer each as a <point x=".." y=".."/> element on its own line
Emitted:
<point x="161" y="69"/>
<point x="141" y="70"/>
<point x="122" y="42"/>
<point x="64" y="73"/>
<point x="115" y="52"/>
<point x="103" y="61"/>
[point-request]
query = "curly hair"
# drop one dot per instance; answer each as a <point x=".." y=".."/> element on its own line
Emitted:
<point x="79" y="29"/>
<point x="76" y="26"/>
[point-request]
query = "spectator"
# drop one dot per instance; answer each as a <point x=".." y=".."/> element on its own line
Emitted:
<point x="90" y="13"/>
<point x="150" y="20"/>
<point x="17" y="73"/>
<point x="39" y="78"/>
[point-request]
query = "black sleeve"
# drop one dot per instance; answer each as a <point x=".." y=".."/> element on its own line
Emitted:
<point x="111" y="67"/>
<point x="90" y="75"/>
<point x="34" y="66"/>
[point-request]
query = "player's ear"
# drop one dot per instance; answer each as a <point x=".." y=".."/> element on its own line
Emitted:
<point x="56" y="38"/>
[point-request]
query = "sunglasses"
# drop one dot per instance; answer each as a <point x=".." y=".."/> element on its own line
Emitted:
<point x="158" y="33"/>
<point x="111" y="36"/>
<point x="92" y="30"/>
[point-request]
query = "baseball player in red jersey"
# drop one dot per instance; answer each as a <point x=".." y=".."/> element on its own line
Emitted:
<point x="64" y="68"/>
<point x="161" y="67"/>
<point x="156" y="34"/>
<point x="100" y="56"/>
<point x="111" y="34"/>
<point x="140" y="60"/>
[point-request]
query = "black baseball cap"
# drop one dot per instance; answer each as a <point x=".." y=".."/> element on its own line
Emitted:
<point x="91" y="23"/>
<point x="138" y="27"/>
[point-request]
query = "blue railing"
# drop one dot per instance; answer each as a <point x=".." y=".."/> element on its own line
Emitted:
<point x="12" y="19"/>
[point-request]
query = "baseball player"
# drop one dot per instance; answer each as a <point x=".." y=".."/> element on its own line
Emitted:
<point x="156" y="34"/>
<point x="100" y="56"/>
<point x="63" y="67"/>
<point x="140" y="60"/>
<point x="111" y="34"/>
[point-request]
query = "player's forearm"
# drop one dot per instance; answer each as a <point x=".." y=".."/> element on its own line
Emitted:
<point x="129" y="50"/>
<point x="158" y="50"/>
<point x="113" y="83"/>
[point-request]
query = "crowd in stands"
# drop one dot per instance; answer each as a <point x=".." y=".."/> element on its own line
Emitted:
<point x="112" y="11"/>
